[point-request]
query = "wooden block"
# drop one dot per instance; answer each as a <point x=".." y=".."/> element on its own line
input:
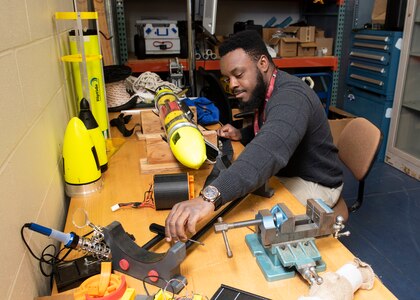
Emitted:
<point x="150" y="123"/>
<point x="146" y="168"/>
<point x="158" y="151"/>
<point x="160" y="159"/>
<point x="159" y="155"/>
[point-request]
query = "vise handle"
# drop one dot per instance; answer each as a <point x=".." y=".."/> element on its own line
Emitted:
<point x="224" y="227"/>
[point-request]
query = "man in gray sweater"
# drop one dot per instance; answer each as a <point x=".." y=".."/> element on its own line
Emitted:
<point x="290" y="137"/>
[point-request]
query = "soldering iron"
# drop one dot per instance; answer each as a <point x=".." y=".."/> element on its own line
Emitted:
<point x="93" y="245"/>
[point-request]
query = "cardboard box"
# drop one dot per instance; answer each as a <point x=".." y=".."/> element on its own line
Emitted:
<point x="291" y="31"/>
<point x="306" y="34"/>
<point x="324" y="46"/>
<point x="306" y="49"/>
<point x="379" y="12"/>
<point x="319" y="33"/>
<point x="287" y="47"/>
<point x="268" y="35"/>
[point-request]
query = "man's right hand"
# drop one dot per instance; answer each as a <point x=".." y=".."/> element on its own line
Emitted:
<point x="183" y="218"/>
<point x="229" y="132"/>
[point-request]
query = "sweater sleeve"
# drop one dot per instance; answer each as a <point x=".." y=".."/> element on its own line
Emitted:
<point x="247" y="134"/>
<point x="287" y="114"/>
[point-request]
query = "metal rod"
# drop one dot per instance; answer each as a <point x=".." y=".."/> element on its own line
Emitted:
<point x="225" y="239"/>
<point x="243" y="223"/>
<point x="153" y="241"/>
<point x="191" y="54"/>
<point x="160" y="230"/>
<point x="210" y="224"/>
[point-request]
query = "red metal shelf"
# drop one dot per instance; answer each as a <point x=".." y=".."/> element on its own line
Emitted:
<point x="162" y="64"/>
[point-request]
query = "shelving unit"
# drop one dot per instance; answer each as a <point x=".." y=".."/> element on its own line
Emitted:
<point x="162" y="65"/>
<point x="403" y="150"/>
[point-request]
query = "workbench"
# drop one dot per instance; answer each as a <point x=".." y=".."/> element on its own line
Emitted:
<point x="205" y="267"/>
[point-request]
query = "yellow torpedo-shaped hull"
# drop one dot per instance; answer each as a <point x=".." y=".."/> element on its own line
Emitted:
<point x="188" y="146"/>
<point x="82" y="172"/>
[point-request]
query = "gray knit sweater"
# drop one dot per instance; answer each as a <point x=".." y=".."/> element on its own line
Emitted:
<point x="295" y="140"/>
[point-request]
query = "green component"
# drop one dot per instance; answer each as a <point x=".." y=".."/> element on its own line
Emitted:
<point x="278" y="263"/>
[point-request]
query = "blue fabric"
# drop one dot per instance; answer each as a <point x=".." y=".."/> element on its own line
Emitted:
<point x="207" y="112"/>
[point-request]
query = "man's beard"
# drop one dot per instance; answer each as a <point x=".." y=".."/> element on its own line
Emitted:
<point x="257" y="96"/>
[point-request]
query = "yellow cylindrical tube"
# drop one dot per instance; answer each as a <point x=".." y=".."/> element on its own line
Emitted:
<point x="95" y="77"/>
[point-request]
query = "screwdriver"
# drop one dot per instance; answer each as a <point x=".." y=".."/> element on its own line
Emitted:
<point x="160" y="230"/>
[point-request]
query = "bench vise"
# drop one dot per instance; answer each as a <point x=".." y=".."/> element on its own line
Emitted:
<point x="283" y="242"/>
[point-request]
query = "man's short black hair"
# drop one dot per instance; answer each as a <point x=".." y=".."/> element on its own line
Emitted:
<point x="248" y="40"/>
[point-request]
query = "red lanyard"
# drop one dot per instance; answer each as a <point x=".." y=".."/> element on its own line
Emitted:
<point x="267" y="97"/>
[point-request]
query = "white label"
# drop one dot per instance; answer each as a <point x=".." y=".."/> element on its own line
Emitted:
<point x="398" y="44"/>
<point x="388" y="113"/>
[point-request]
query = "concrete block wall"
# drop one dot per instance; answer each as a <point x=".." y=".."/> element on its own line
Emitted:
<point x="34" y="112"/>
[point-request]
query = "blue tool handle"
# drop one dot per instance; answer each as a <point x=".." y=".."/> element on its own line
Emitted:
<point x="270" y="22"/>
<point x="65" y="238"/>
<point x="284" y="23"/>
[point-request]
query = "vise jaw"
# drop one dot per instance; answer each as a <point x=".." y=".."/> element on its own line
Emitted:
<point x="279" y="225"/>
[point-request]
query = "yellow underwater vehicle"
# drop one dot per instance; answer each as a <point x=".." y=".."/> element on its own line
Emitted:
<point x="185" y="139"/>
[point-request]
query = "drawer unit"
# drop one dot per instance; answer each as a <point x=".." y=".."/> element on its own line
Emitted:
<point x="373" y="60"/>
<point x="374" y="107"/>
<point x="372" y="72"/>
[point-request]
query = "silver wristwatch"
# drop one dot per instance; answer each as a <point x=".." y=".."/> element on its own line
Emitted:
<point x="211" y="194"/>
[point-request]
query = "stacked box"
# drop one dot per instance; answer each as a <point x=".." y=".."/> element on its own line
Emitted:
<point x="298" y="41"/>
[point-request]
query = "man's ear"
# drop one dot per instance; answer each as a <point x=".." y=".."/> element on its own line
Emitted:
<point x="263" y="64"/>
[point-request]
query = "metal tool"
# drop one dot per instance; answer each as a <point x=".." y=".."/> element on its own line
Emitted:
<point x="176" y="72"/>
<point x="284" y="242"/>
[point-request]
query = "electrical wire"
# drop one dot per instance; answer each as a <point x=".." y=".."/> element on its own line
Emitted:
<point x="188" y="295"/>
<point x="159" y="278"/>
<point x="47" y="258"/>
<point x="148" y="201"/>
<point x="105" y="37"/>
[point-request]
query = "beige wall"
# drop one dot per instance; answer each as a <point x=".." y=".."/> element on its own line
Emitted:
<point x="33" y="118"/>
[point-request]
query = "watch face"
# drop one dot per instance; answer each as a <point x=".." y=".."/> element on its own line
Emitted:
<point x="210" y="193"/>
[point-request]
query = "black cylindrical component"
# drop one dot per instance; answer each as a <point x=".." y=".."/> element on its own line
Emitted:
<point x="158" y="229"/>
<point x="169" y="189"/>
<point x="153" y="241"/>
